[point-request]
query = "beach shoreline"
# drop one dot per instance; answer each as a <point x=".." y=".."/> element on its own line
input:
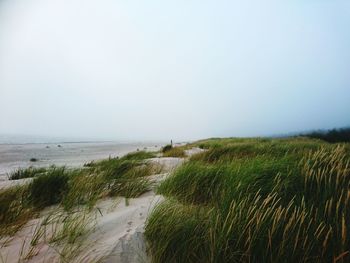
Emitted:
<point x="70" y="154"/>
<point x="115" y="227"/>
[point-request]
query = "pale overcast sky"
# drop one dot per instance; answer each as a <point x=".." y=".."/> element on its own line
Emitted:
<point x="183" y="69"/>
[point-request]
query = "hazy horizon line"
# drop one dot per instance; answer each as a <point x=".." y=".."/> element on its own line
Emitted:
<point x="6" y="138"/>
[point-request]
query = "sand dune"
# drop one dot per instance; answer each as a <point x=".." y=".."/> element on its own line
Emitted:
<point x="115" y="234"/>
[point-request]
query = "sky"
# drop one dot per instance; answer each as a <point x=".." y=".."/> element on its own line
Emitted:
<point x="184" y="69"/>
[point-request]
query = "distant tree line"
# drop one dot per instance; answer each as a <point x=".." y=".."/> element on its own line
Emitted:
<point x="332" y="136"/>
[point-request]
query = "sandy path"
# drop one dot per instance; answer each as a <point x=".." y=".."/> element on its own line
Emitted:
<point x="121" y="233"/>
<point x="122" y="230"/>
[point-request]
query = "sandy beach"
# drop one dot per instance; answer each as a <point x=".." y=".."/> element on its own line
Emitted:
<point x="14" y="156"/>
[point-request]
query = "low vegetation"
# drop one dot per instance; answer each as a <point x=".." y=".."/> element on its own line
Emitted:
<point x="178" y="152"/>
<point x="255" y="200"/>
<point x="170" y="151"/>
<point x="72" y="188"/>
<point x="15" y="210"/>
<point x="167" y="147"/>
<point x="50" y="188"/>
<point x="22" y="173"/>
<point x="139" y="155"/>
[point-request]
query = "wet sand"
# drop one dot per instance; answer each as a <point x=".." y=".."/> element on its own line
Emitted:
<point x="13" y="156"/>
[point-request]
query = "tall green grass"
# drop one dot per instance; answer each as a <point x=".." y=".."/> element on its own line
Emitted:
<point x="178" y="233"/>
<point x="49" y="189"/>
<point x="256" y="201"/>
<point x="21" y="203"/>
<point x="242" y="149"/>
<point x="14" y="209"/>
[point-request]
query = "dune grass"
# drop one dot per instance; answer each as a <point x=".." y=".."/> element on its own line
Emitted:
<point x="21" y="203"/>
<point x="166" y="148"/>
<point x="139" y="155"/>
<point x="70" y="188"/>
<point x="22" y="173"/>
<point x="49" y="189"/>
<point x="255" y="200"/>
<point x="126" y="176"/>
<point x="15" y="210"/>
<point x="63" y="231"/>
<point x="175" y="152"/>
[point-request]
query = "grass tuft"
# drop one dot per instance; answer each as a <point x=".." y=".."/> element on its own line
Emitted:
<point x="166" y="148"/>
<point x="140" y="155"/>
<point x="48" y="189"/>
<point x="175" y="152"/>
<point x="14" y="209"/>
<point x="30" y="172"/>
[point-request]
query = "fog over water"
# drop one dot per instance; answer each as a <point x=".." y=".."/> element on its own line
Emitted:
<point x="156" y="70"/>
